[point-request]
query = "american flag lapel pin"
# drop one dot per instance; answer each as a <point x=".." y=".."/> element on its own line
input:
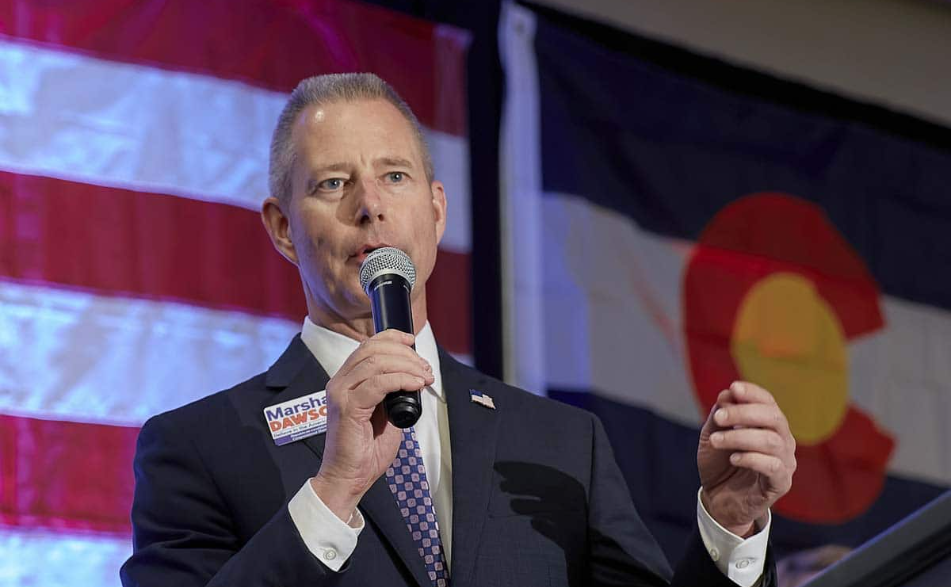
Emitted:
<point x="482" y="399"/>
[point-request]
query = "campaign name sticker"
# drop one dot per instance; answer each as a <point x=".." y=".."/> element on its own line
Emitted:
<point x="297" y="418"/>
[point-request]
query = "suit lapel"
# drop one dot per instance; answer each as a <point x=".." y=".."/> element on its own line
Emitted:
<point x="297" y="373"/>
<point x="473" y="432"/>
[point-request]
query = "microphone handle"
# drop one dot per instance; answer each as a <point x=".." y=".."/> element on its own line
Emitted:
<point x="391" y="308"/>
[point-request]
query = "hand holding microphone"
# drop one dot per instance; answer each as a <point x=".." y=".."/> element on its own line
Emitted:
<point x="387" y="276"/>
<point x="362" y="435"/>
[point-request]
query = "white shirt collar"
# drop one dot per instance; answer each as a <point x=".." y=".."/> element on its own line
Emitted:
<point x="332" y="348"/>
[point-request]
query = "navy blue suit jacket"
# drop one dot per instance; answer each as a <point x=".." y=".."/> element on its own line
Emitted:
<point x="537" y="497"/>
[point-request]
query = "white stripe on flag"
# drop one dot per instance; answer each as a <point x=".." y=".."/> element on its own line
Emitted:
<point x="69" y="355"/>
<point x="75" y="117"/>
<point x="48" y="559"/>
<point x="900" y="375"/>
<point x="619" y="327"/>
<point x="612" y="301"/>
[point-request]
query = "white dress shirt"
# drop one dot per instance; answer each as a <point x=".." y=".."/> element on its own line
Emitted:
<point x="332" y="540"/>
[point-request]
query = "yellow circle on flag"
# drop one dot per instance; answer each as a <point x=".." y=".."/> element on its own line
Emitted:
<point x="788" y="339"/>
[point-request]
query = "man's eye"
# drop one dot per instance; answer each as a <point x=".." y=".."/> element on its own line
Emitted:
<point x="331" y="184"/>
<point x="395" y="176"/>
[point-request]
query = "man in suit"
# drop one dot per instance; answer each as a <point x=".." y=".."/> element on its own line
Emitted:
<point x="493" y="486"/>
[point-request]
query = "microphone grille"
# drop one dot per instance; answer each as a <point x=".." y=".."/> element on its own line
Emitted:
<point x="387" y="260"/>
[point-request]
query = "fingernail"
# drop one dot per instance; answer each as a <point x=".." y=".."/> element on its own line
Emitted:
<point x="716" y="437"/>
<point x="735" y="458"/>
<point x="721" y="415"/>
<point x="738" y="387"/>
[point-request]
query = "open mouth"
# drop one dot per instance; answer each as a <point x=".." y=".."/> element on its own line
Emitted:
<point x="361" y="254"/>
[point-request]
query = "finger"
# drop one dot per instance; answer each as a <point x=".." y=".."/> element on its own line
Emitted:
<point x="380" y="363"/>
<point x="746" y="392"/>
<point x="391" y="342"/>
<point x="753" y="416"/>
<point x="711" y="425"/>
<point x="394" y="335"/>
<point x="725" y="397"/>
<point x="380" y="346"/>
<point x="383" y="351"/>
<point x="372" y="391"/>
<point x="767" y="465"/>
<point x="750" y="440"/>
<point x="389" y="337"/>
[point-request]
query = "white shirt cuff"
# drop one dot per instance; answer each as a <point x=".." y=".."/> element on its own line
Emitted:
<point x="742" y="561"/>
<point x="326" y="536"/>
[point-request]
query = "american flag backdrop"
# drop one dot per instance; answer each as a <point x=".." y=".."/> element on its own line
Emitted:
<point x="135" y="275"/>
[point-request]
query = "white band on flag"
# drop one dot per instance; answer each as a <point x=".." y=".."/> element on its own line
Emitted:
<point x="84" y="119"/>
<point x="120" y="360"/>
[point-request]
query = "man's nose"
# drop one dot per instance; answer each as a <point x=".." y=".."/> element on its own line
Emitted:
<point x="370" y="202"/>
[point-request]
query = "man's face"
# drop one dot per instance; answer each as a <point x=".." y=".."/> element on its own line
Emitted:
<point x="358" y="184"/>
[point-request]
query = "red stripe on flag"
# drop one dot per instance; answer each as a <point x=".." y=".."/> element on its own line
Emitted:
<point x="121" y="242"/>
<point x="447" y="301"/>
<point x="66" y="475"/>
<point x="267" y="43"/>
<point x="125" y="243"/>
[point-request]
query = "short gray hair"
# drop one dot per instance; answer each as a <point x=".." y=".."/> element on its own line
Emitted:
<point x="327" y="89"/>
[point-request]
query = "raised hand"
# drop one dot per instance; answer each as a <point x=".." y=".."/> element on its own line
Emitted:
<point x="361" y="443"/>
<point x="746" y="457"/>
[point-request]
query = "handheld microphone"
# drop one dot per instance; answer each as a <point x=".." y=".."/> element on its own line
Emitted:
<point x="387" y="276"/>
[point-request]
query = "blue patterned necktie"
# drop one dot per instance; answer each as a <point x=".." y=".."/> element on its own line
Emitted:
<point x="407" y="480"/>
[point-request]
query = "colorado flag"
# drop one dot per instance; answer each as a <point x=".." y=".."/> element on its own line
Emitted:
<point x="674" y="227"/>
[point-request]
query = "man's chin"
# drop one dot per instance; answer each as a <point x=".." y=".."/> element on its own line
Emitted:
<point x="357" y="302"/>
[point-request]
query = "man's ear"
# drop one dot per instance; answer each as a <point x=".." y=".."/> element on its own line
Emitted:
<point x="278" y="228"/>
<point x="439" y="208"/>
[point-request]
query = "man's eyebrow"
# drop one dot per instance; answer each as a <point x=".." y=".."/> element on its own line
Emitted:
<point x="330" y="167"/>
<point x="393" y="162"/>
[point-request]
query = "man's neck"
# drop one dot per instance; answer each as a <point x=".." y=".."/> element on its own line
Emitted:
<point x="361" y="328"/>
